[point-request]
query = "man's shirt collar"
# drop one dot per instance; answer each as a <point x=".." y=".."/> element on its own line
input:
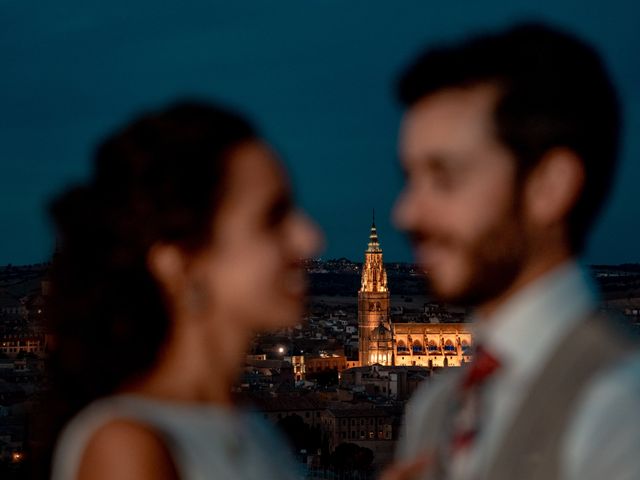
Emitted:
<point x="529" y="324"/>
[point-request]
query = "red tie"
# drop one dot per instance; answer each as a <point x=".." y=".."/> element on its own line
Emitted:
<point x="483" y="366"/>
<point x="466" y="421"/>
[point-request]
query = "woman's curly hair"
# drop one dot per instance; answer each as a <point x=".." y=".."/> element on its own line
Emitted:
<point x="159" y="179"/>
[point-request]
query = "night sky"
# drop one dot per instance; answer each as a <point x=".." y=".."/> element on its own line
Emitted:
<point x="316" y="76"/>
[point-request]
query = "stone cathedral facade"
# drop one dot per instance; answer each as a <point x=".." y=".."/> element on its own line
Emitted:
<point x="386" y="343"/>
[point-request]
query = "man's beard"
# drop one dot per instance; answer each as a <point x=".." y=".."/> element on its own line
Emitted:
<point x="494" y="260"/>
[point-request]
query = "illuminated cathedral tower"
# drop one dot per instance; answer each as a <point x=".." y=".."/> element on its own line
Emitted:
<point x="374" y="327"/>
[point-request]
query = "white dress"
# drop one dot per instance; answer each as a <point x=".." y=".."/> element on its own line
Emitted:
<point x="205" y="441"/>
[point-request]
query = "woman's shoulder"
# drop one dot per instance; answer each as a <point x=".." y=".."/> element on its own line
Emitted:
<point x="108" y="440"/>
<point x="125" y="448"/>
<point x="199" y="441"/>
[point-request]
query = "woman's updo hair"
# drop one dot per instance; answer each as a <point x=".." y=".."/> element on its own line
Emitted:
<point x="160" y="179"/>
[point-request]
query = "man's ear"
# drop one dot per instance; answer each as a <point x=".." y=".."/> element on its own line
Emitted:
<point x="167" y="264"/>
<point x="553" y="187"/>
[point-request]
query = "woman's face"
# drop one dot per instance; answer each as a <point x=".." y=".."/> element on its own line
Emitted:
<point x="251" y="270"/>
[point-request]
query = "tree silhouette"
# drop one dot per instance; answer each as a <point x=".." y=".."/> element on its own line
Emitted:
<point x="349" y="457"/>
<point x="301" y="436"/>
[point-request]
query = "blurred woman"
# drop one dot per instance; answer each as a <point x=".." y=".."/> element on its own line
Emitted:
<point x="183" y="244"/>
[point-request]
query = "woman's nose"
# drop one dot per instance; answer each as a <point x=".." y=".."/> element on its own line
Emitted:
<point x="306" y="238"/>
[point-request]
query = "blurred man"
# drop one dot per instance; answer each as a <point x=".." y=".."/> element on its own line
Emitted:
<point x="509" y="144"/>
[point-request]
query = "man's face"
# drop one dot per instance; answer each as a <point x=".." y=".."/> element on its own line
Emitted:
<point x="460" y="203"/>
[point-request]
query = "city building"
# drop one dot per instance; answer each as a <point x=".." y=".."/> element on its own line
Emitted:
<point x="374" y="320"/>
<point x="275" y="408"/>
<point x="12" y="345"/>
<point x="384" y="342"/>
<point x="324" y="362"/>
<point x="373" y="427"/>
<point x="396" y="383"/>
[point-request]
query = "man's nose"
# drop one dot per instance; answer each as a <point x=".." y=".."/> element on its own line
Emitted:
<point x="404" y="211"/>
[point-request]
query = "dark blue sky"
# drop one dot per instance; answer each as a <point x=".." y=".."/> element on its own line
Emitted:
<point x="315" y="75"/>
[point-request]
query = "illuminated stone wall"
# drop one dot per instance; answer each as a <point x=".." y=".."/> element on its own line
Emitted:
<point x="432" y="344"/>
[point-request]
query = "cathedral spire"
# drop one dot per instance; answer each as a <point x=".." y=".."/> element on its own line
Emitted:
<point x="374" y="244"/>
<point x="374" y="275"/>
<point x="375" y="337"/>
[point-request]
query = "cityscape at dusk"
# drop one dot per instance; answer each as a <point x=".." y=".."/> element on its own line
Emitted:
<point x="309" y="240"/>
<point x="336" y="382"/>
